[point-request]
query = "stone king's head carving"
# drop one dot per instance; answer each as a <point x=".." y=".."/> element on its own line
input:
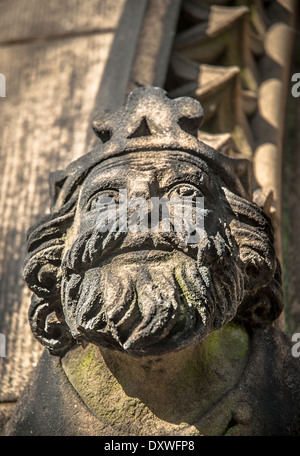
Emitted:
<point x="150" y="292"/>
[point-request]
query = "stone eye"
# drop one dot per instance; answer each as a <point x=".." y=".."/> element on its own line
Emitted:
<point x="185" y="190"/>
<point x="102" y="199"/>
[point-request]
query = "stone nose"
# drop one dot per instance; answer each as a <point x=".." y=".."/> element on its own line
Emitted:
<point x="139" y="194"/>
<point x="140" y="188"/>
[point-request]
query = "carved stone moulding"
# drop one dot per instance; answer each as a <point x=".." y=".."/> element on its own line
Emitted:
<point x="247" y="47"/>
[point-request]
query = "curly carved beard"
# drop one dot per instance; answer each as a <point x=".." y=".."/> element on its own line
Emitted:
<point x="147" y="301"/>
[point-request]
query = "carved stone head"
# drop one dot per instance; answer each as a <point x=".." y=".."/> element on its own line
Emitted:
<point x="150" y="291"/>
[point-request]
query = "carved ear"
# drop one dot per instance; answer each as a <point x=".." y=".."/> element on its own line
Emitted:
<point x="253" y="232"/>
<point x="264" y="306"/>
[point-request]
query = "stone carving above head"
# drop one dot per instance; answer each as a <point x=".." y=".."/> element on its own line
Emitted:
<point x="149" y="292"/>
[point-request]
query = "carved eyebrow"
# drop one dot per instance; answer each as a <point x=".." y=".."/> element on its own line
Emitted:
<point x="188" y="178"/>
<point x="102" y="182"/>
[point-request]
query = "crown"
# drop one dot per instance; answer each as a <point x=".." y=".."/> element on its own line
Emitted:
<point x="151" y="121"/>
<point x="151" y="115"/>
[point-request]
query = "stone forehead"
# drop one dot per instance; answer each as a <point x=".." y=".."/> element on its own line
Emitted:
<point x="166" y="161"/>
<point x="151" y="122"/>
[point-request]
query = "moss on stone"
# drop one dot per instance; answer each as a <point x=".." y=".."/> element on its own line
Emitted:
<point x="223" y="357"/>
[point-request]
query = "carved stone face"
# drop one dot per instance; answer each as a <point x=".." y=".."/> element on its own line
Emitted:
<point x="149" y="292"/>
